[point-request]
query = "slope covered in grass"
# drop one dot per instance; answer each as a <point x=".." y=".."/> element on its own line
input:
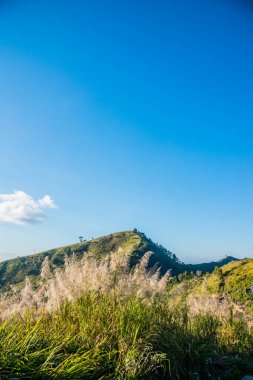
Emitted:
<point x="137" y="244"/>
<point x="234" y="280"/>
<point x="14" y="271"/>
<point x="228" y="290"/>
<point x="107" y="320"/>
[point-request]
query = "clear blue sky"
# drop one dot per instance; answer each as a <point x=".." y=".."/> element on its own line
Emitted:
<point x="129" y="114"/>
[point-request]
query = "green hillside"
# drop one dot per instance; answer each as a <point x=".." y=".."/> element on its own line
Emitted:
<point x="228" y="289"/>
<point x="14" y="271"/>
<point x="234" y="280"/>
<point x="137" y="244"/>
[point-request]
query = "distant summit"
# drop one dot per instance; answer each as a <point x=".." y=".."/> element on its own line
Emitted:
<point x="209" y="267"/>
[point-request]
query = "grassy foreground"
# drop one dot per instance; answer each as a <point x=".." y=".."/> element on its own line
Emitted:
<point x="102" y="337"/>
<point x="107" y="320"/>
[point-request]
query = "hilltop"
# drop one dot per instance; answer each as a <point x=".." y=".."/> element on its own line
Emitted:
<point x="14" y="271"/>
<point x="136" y="244"/>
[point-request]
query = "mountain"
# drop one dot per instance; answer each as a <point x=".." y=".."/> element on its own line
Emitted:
<point x="136" y="243"/>
<point x="209" y="267"/>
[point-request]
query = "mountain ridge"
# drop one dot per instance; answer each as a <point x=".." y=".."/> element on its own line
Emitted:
<point x="14" y="271"/>
<point x="210" y="266"/>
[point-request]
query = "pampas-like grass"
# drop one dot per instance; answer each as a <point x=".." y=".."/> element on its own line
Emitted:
<point x="79" y="276"/>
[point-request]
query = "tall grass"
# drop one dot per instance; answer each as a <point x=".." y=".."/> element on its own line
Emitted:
<point x="114" y="323"/>
<point x="112" y="275"/>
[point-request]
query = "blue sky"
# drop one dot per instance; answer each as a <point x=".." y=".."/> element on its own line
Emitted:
<point x="129" y="114"/>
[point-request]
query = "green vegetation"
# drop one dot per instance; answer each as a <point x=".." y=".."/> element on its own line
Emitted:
<point x="234" y="280"/>
<point x="227" y="289"/>
<point x="100" y="337"/>
<point x="100" y="309"/>
<point x="14" y="271"/>
<point x="238" y="282"/>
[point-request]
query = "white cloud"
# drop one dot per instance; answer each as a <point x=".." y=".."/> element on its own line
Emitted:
<point x="21" y="208"/>
<point x="47" y="201"/>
